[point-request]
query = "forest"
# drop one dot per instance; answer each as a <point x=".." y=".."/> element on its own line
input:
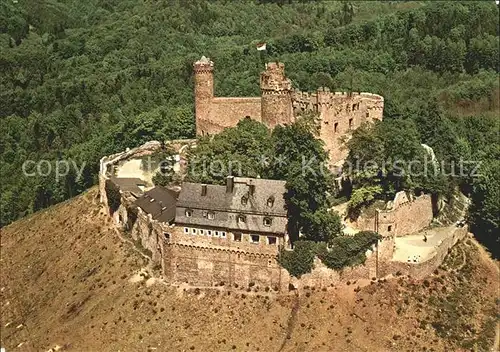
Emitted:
<point x="83" y="79"/>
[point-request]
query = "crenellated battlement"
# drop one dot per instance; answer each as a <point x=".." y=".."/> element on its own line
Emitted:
<point x="204" y="65"/>
<point x="274" y="79"/>
<point x="324" y="96"/>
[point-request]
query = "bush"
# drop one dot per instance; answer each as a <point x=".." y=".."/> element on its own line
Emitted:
<point x="300" y="260"/>
<point x="344" y="251"/>
<point x="348" y="250"/>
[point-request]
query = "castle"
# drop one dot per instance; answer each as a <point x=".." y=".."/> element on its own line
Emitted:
<point x="279" y="104"/>
<point x="232" y="235"/>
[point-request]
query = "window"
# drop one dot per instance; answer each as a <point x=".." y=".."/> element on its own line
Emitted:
<point x="335" y="127"/>
<point x="268" y="221"/>
<point x="193" y="231"/>
<point x="202" y="232"/>
<point x="254" y="238"/>
<point x="211" y="215"/>
<point x="389" y="228"/>
<point x="350" y="123"/>
<point x="237" y="237"/>
<point x="166" y="236"/>
<point x="186" y="230"/>
<point x="209" y="233"/>
<point x="204" y="213"/>
<point x="216" y="233"/>
<point x="270" y="201"/>
<point x="367" y="114"/>
<point x="223" y="234"/>
<point x="188" y="213"/>
<point x="353" y="107"/>
<point x="244" y="200"/>
<point x="241" y="218"/>
<point x="271" y="240"/>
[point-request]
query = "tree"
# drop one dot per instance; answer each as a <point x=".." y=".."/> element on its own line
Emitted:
<point x="241" y="151"/>
<point x="323" y="226"/>
<point x="300" y="159"/>
<point x="347" y="12"/>
<point x="165" y="161"/>
<point x="485" y="208"/>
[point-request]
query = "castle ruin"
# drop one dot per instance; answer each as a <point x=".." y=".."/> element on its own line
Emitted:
<point x="279" y="104"/>
<point x="232" y="235"/>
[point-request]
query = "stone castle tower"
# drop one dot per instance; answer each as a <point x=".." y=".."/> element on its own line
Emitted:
<point x="276" y="103"/>
<point x="203" y="88"/>
<point x="339" y="112"/>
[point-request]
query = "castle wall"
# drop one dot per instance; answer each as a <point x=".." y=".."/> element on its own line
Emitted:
<point x="208" y="266"/>
<point x="406" y="216"/>
<point x="148" y="233"/>
<point x="422" y="269"/>
<point x="227" y="112"/>
<point x="206" y="261"/>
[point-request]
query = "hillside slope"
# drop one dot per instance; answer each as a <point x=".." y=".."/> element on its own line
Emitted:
<point x="68" y="280"/>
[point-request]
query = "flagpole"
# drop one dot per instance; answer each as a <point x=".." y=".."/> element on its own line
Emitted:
<point x="262" y="48"/>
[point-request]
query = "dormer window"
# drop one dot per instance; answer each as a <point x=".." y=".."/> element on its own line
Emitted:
<point x="188" y="213"/>
<point x="270" y="201"/>
<point x="241" y="219"/>
<point x="211" y="215"/>
<point x="244" y="200"/>
<point x="268" y="221"/>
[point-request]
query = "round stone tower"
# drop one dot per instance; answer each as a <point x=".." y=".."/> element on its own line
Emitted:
<point x="203" y="92"/>
<point x="276" y="105"/>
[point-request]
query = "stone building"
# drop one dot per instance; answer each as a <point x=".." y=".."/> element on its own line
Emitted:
<point x="339" y="112"/>
<point x="229" y="233"/>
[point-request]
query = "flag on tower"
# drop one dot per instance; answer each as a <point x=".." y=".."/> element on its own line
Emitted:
<point x="261" y="46"/>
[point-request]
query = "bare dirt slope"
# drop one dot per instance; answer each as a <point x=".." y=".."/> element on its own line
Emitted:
<point x="67" y="280"/>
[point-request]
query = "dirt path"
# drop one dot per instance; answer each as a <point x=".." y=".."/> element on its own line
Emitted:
<point x="291" y="322"/>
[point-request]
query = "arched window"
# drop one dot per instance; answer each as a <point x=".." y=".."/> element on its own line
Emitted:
<point x="270" y="201"/>
<point x="244" y="200"/>
<point x="268" y="221"/>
